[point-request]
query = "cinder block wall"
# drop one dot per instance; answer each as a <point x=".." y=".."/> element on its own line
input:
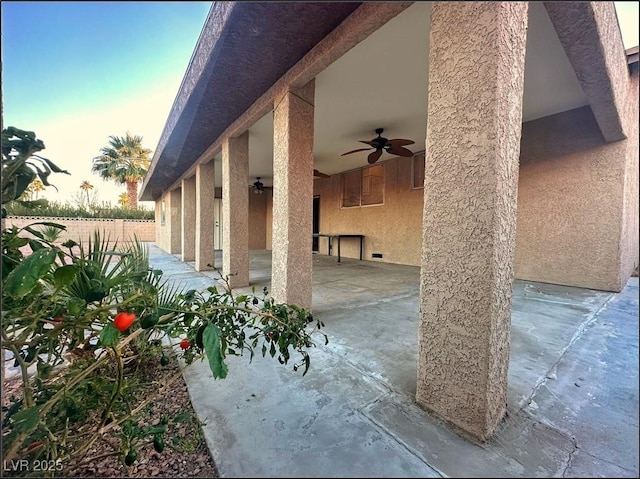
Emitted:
<point x="82" y="229"/>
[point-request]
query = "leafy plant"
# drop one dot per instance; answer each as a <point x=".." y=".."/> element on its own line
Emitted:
<point x="50" y="233"/>
<point x="21" y="165"/>
<point x="78" y="320"/>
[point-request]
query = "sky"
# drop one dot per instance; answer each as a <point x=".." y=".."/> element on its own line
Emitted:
<point x="77" y="72"/>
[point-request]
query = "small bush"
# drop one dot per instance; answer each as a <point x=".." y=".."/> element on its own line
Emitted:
<point x="56" y="209"/>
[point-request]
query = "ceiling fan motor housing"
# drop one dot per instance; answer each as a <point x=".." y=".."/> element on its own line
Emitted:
<point x="380" y="141"/>
<point x="393" y="147"/>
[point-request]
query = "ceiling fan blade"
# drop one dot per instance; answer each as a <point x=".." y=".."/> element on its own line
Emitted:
<point x="373" y="143"/>
<point x="355" y="151"/>
<point x="320" y="174"/>
<point x="373" y="157"/>
<point x="399" y="151"/>
<point x="400" y="142"/>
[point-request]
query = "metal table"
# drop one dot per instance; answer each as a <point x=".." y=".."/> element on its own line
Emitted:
<point x="339" y="236"/>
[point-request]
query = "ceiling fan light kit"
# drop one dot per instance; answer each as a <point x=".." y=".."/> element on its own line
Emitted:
<point x="258" y="186"/>
<point x="380" y="144"/>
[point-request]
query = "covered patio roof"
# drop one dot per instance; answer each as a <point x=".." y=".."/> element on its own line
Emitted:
<point x="243" y="49"/>
<point x="246" y="47"/>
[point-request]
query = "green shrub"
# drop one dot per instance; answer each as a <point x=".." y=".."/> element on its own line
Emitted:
<point x="56" y="209"/>
<point x="78" y="325"/>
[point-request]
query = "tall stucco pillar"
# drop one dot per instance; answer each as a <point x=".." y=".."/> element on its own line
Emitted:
<point x="235" y="210"/>
<point x="291" y="277"/>
<point x="189" y="219"/>
<point x="476" y="71"/>
<point x="205" y="193"/>
<point x="175" y="221"/>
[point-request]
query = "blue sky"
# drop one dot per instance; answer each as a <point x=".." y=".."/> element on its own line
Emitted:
<point x="77" y="72"/>
<point x="70" y="51"/>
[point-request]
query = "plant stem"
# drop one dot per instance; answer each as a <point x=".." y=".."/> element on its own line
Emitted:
<point x="116" y="390"/>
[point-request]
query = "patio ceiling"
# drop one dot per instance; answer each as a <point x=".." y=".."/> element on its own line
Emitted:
<point x="382" y="82"/>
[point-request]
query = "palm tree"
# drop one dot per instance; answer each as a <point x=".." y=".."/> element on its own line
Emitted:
<point x="86" y="186"/>
<point x="123" y="200"/>
<point x="34" y="188"/>
<point x="124" y="160"/>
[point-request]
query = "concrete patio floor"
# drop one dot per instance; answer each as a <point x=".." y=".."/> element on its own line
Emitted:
<point x="572" y="400"/>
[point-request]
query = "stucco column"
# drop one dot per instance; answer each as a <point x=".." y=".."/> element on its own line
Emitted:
<point x="174" y="217"/>
<point x="476" y="71"/>
<point x="189" y="219"/>
<point x="291" y="277"/>
<point x="205" y="193"/>
<point x="235" y="210"/>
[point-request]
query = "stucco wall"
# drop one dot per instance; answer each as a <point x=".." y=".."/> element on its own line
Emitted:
<point x="169" y="235"/>
<point x="568" y="225"/>
<point x="258" y="224"/>
<point x="630" y="246"/>
<point x="571" y="185"/>
<point x="570" y="229"/>
<point x="393" y="229"/>
<point x="82" y="229"/>
<point x="269" y="219"/>
<point x="569" y="202"/>
<point x="258" y="220"/>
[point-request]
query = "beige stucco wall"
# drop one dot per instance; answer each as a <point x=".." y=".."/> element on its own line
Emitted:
<point x="571" y="186"/>
<point x="570" y="196"/>
<point x="269" y="219"/>
<point x="568" y="225"/>
<point x="258" y="224"/>
<point x="393" y="229"/>
<point x="630" y="246"/>
<point x="169" y="234"/>
<point x="258" y="219"/>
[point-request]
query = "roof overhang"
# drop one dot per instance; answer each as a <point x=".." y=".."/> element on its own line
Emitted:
<point x="632" y="55"/>
<point x="244" y="48"/>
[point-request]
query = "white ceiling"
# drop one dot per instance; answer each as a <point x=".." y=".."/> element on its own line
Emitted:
<point x="382" y="82"/>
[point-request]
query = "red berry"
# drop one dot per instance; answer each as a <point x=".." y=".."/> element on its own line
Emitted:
<point x="123" y="321"/>
<point x="58" y="319"/>
<point x="185" y="344"/>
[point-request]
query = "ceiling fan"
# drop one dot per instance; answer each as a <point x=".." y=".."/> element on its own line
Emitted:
<point x="380" y="144"/>
<point x="258" y="186"/>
